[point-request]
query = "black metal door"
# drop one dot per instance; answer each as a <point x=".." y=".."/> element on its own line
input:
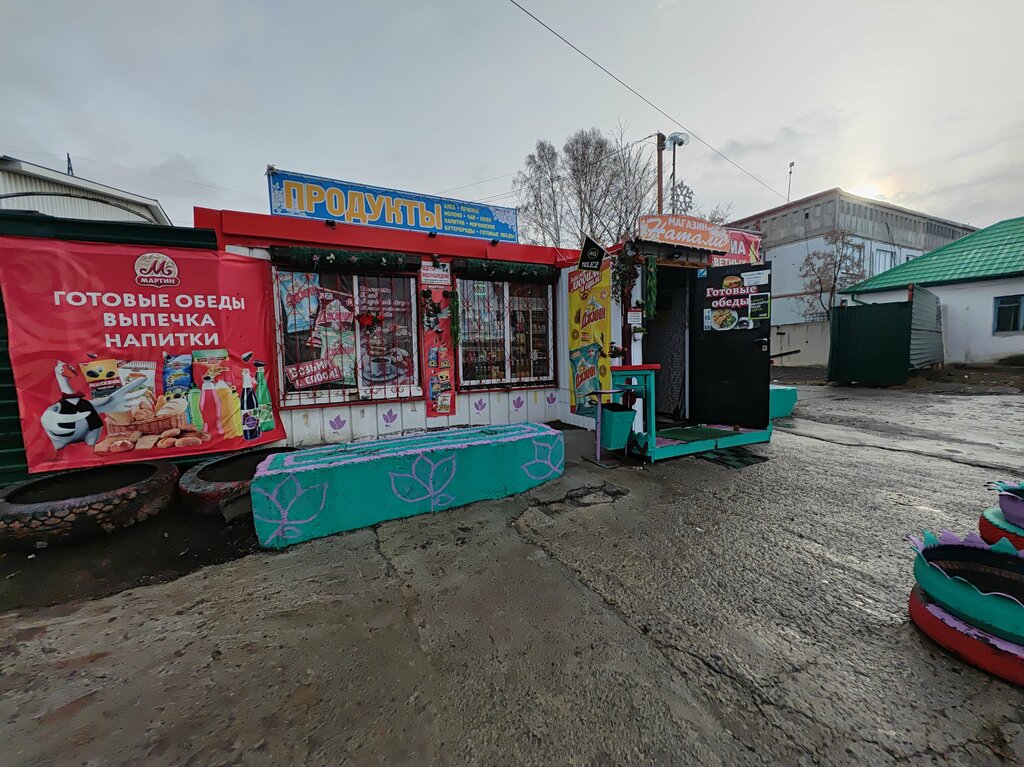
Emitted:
<point x="730" y="339"/>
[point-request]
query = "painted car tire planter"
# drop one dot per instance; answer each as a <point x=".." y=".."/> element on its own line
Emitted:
<point x="977" y="583"/>
<point x="38" y="512"/>
<point x="221" y="486"/>
<point x="974" y="646"/>
<point x="1012" y="506"/>
<point x="993" y="526"/>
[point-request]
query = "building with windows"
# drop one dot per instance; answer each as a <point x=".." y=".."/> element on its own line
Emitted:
<point x="25" y="186"/>
<point x="382" y="331"/>
<point x="979" y="280"/>
<point x="885" y="236"/>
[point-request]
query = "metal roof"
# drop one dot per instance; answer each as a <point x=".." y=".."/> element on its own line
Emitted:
<point x="86" y="188"/>
<point x="991" y="253"/>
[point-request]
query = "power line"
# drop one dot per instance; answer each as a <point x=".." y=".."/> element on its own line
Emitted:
<point x="476" y="183"/>
<point x="647" y="101"/>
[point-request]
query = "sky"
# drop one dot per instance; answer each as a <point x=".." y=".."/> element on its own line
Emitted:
<point x="916" y="102"/>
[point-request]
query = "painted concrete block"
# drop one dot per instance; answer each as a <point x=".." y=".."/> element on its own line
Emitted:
<point x="312" y="493"/>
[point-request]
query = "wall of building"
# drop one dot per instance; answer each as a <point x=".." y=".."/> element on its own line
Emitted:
<point x="788" y="291"/>
<point x="308" y="426"/>
<point x="811" y="339"/>
<point x="67" y="207"/>
<point x="968" y="319"/>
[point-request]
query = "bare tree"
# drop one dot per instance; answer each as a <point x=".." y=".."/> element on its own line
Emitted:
<point x="542" y="197"/>
<point x="597" y="184"/>
<point x="826" y="272"/>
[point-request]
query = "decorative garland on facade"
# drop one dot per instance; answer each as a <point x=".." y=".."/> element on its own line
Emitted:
<point x="508" y="270"/>
<point x="651" y="294"/>
<point x="624" y="274"/>
<point x="340" y="259"/>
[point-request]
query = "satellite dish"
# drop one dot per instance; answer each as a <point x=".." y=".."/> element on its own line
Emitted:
<point x="678" y="139"/>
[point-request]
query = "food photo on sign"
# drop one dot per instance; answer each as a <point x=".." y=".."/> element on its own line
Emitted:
<point x="122" y="353"/>
<point x="738" y="302"/>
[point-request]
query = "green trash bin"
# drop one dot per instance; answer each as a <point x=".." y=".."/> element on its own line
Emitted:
<point x="616" y="425"/>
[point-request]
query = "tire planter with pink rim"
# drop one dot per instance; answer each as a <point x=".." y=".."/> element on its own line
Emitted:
<point x="77" y="504"/>
<point x="221" y="486"/>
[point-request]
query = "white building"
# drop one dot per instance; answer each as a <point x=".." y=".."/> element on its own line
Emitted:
<point x="28" y="187"/>
<point x="887" y="235"/>
<point x="979" y="280"/>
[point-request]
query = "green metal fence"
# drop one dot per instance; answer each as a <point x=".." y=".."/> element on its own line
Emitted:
<point x="870" y="344"/>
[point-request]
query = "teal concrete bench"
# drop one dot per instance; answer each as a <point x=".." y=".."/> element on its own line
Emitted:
<point x="312" y="493"/>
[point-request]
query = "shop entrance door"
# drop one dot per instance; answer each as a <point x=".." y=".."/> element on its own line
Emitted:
<point x="730" y="320"/>
<point x="665" y="340"/>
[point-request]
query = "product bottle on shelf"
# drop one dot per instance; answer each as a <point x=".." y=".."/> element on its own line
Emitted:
<point x="249" y="408"/>
<point x="266" y="407"/>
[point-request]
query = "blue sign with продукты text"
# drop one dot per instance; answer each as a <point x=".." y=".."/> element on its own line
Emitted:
<point x="294" y="194"/>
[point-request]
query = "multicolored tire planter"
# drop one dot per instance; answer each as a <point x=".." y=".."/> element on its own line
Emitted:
<point x="221" y="486"/>
<point x="993" y="526"/>
<point x="47" y="510"/>
<point x="979" y="648"/>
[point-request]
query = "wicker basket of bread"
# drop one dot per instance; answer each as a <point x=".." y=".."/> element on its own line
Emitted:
<point x="151" y="416"/>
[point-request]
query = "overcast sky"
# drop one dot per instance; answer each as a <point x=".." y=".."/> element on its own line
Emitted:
<point x="918" y="102"/>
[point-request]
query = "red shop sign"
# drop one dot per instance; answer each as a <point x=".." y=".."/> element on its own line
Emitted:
<point x="129" y="352"/>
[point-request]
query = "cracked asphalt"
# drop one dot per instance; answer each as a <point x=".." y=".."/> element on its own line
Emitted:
<point x="681" y="613"/>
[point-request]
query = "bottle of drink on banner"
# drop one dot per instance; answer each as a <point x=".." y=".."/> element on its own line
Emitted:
<point x="209" y="406"/>
<point x="250" y="408"/>
<point x="266" y="408"/>
<point x="230" y="414"/>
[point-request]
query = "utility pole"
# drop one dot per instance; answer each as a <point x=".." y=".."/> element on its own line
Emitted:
<point x="661" y="186"/>
<point x="789" y="189"/>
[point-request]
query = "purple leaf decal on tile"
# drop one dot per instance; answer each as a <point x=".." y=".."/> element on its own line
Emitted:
<point x="518" y="402"/>
<point x="479" y="405"/>
<point x="390" y="417"/>
<point x="551" y="399"/>
<point x="337" y="423"/>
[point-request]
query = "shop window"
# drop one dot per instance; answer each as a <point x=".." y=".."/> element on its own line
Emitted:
<point x="346" y="337"/>
<point x="1008" y="314"/>
<point x="506" y="333"/>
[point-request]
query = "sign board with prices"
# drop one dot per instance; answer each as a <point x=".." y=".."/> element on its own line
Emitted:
<point x="295" y="194"/>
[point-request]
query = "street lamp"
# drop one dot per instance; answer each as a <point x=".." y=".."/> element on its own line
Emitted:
<point x="674" y="140"/>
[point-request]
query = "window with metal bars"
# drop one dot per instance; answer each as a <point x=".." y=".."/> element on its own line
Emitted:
<point x="506" y="334"/>
<point x="346" y="337"/>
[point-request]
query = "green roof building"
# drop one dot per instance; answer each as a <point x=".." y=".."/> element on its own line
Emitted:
<point x="979" y="280"/>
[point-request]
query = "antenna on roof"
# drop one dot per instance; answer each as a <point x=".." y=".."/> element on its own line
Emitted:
<point x="790" y="187"/>
<point x="71" y="171"/>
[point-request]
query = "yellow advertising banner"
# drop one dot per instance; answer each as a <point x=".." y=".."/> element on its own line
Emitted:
<point x="590" y="296"/>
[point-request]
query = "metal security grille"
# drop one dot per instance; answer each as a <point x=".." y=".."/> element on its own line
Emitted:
<point x="506" y="333"/>
<point x="346" y="337"/>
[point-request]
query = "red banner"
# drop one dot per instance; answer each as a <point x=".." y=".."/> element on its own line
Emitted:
<point x="438" y="349"/>
<point x="130" y="353"/>
<point x="744" y="248"/>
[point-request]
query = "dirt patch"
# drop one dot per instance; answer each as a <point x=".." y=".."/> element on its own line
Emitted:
<point x="63" y="487"/>
<point x="161" y="549"/>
